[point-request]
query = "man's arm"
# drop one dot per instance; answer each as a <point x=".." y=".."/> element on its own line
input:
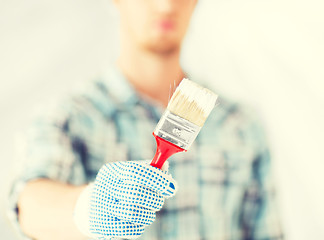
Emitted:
<point x="127" y="196"/>
<point x="46" y="210"/>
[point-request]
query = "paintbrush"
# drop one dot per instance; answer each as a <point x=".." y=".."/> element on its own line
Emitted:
<point x="181" y="122"/>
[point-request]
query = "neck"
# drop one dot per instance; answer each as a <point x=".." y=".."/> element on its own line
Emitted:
<point x="153" y="74"/>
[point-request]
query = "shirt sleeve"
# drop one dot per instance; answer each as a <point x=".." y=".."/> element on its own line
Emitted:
<point x="259" y="216"/>
<point x="45" y="151"/>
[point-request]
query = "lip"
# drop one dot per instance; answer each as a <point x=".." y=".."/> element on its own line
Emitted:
<point x="166" y="25"/>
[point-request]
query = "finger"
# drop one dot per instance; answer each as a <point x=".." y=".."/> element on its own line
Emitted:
<point x="108" y="181"/>
<point x="165" y="166"/>
<point x="148" y="176"/>
<point x="140" y="173"/>
<point x="129" y="212"/>
<point x="110" y="226"/>
<point x="137" y="194"/>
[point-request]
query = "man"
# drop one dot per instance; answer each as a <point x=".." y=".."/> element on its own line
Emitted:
<point x="225" y="184"/>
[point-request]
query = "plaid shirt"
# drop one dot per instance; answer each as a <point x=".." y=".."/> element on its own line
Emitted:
<point x="225" y="189"/>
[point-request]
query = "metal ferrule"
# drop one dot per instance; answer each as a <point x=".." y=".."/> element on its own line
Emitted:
<point x="176" y="130"/>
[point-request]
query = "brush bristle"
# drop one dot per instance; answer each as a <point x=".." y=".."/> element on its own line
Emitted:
<point x="192" y="102"/>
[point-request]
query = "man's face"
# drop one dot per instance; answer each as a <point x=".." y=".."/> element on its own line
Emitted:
<point x="156" y="25"/>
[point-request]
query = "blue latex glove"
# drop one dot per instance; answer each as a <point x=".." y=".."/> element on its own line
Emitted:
<point x="125" y="197"/>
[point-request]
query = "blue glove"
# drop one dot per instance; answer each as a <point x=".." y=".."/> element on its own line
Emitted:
<point x="125" y="197"/>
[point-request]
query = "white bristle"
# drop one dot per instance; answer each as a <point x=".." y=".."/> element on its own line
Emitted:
<point x="192" y="102"/>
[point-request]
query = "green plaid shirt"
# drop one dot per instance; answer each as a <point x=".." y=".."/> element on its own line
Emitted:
<point x="225" y="189"/>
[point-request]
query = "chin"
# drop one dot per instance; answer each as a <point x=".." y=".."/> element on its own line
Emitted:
<point x="163" y="46"/>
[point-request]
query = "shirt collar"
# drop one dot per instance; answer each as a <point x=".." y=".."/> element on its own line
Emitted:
<point x="119" y="87"/>
<point x="123" y="92"/>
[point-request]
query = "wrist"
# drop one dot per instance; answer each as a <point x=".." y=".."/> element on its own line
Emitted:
<point x="81" y="214"/>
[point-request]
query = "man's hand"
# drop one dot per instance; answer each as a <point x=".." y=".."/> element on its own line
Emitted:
<point x="125" y="197"/>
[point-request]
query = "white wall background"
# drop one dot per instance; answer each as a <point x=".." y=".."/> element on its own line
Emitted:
<point x="267" y="53"/>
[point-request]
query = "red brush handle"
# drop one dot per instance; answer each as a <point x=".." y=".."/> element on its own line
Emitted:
<point x="164" y="150"/>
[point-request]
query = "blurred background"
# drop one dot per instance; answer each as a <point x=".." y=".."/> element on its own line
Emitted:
<point x="269" y="54"/>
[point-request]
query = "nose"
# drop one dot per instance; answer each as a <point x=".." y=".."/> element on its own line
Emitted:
<point x="166" y="6"/>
